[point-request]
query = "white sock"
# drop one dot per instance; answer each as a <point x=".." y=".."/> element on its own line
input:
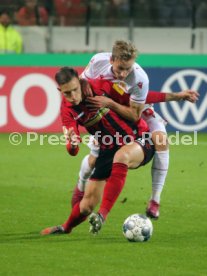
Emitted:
<point x="159" y="172"/>
<point x="84" y="174"/>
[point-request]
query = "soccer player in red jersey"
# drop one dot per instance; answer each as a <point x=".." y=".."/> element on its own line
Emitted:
<point x="116" y="155"/>
<point x="114" y="159"/>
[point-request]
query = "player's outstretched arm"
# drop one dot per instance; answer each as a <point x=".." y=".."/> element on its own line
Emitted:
<point x="186" y="95"/>
<point x="72" y="140"/>
<point x="133" y="112"/>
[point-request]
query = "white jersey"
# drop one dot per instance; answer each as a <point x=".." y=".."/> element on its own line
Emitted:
<point x="136" y="83"/>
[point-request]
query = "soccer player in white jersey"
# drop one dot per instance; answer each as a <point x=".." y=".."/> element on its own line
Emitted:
<point x="120" y="67"/>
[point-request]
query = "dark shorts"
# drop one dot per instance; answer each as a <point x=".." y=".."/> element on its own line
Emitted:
<point x="104" y="161"/>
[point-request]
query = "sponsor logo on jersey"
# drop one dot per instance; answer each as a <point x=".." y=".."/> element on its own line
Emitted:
<point x="140" y="84"/>
<point x="119" y="87"/>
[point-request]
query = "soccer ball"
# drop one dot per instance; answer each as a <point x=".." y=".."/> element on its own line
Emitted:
<point x="137" y="228"/>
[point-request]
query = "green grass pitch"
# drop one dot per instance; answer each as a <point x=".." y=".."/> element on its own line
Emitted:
<point x="36" y="184"/>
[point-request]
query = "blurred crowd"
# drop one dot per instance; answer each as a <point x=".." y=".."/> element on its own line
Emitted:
<point x="141" y="13"/>
<point x="107" y="12"/>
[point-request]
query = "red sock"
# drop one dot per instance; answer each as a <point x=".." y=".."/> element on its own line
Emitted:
<point x="74" y="219"/>
<point x="113" y="188"/>
<point x="77" y="196"/>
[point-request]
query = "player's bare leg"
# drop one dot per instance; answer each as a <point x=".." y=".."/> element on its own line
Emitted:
<point x="80" y="211"/>
<point x="76" y="217"/>
<point x="92" y="196"/>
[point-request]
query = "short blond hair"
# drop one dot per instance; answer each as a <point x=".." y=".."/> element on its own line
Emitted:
<point x="124" y="50"/>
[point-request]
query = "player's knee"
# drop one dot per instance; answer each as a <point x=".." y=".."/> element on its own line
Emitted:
<point x="122" y="157"/>
<point x="86" y="209"/>
<point x="160" y="141"/>
<point x="88" y="203"/>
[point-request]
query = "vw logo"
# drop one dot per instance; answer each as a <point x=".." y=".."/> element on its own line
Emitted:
<point x="185" y="115"/>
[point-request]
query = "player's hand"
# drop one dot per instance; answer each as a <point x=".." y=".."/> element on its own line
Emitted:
<point x="86" y="88"/>
<point x="98" y="102"/>
<point x="71" y="136"/>
<point x="189" y="95"/>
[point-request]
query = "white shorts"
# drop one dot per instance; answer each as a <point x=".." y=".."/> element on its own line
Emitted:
<point x="155" y="122"/>
<point x="93" y="146"/>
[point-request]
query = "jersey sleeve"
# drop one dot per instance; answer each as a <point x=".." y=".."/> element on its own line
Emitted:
<point x="96" y="65"/>
<point x="69" y="122"/>
<point x="88" y="72"/>
<point x="155" y="97"/>
<point x="139" y="91"/>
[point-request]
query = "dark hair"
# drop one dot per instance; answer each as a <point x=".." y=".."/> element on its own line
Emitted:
<point x="65" y="74"/>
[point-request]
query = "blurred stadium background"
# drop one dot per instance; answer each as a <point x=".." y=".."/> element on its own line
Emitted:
<point x="85" y="26"/>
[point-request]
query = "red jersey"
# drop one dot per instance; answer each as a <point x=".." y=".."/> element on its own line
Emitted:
<point x="104" y="122"/>
<point x="117" y="93"/>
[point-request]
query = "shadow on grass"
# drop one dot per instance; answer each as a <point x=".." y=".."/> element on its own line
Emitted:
<point x="15" y="237"/>
<point x="35" y="236"/>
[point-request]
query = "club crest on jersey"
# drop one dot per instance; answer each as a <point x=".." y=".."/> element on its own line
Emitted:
<point x="140" y="84"/>
<point x="79" y="116"/>
<point x="119" y="87"/>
